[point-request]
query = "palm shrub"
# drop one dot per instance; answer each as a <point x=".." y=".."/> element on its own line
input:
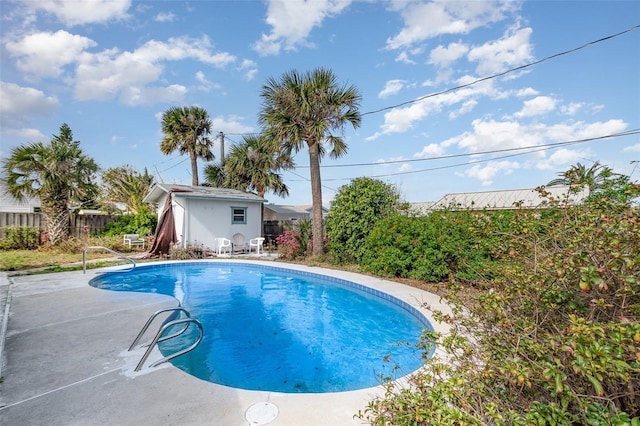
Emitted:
<point x="555" y="338"/>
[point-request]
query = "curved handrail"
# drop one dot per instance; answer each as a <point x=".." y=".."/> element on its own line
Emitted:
<point x="150" y="320"/>
<point x="84" y="257"/>
<point x="157" y="339"/>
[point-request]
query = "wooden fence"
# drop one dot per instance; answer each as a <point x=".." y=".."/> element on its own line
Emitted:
<point x="79" y="225"/>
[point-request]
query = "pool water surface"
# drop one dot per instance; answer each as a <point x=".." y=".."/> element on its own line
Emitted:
<point x="277" y="329"/>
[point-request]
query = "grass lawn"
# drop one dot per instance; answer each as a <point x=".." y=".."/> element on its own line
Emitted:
<point x="50" y="260"/>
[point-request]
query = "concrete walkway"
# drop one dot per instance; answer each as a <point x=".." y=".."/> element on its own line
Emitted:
<point x="65" y="362"/>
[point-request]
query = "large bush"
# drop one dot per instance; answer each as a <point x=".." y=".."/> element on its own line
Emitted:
<point x="555" y="338"/>
<point x="143" y="223"/>
<point x="432" y="248"/>
<point x="354" y="211"/>
<point x="20" y="238"/>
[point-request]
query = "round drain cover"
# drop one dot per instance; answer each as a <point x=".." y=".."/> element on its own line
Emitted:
<point x="261" y="413"/>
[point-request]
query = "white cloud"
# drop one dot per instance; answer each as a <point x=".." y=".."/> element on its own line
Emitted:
<point x="173" y="93"/>
<point x="426" y="20"/>
<point x="249" y="68"/>
<point x="537" y="106"/>
<point x="81" y="12"/>
<point x="400" y="120"/>
<point x="391" y="87"/>
<point x="632" y="148"/>
<point x="165" y="17"/>
<point x="572" y="108"/>
<point x="430" y="151"/>
<point x="230" y="124"/>
<point x="562" y="157"/>
<point x="45" y="54"/>
<point x="526" y="92"/>
<point x="292" y="21"/>
<point x="512" y="50"/>
<point x="205" y="85"/>
<point x="405" y="167"/>
<point x="467" y="106"/>
<point x="18" y="103"/>
<point x="486" y="174"/>
<point x="444" y="56"/>
<point x="112" y="73"/>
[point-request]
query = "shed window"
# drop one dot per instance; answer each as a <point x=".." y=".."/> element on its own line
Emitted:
<point x="238" y="215"/>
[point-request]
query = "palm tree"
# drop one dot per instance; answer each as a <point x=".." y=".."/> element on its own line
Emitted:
<point x="253" y="164"/>
<point x="57" y="173"/>
<point x="186" y="130"/>
<point x="304" y="109"/>
<point x="127" y="186"/>
<point x="214" y="175"/>
<point x="578" y="175"/>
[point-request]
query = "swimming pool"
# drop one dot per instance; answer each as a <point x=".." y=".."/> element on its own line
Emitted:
<point x="282" y="330"/>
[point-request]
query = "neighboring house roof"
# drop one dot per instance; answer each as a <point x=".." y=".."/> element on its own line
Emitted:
<point x="422" y="208"/>
<point x="507" y="199"/>
<point x="9" y="204"/>
<point x="158" y="190"/>
<point x="302" y="209"/>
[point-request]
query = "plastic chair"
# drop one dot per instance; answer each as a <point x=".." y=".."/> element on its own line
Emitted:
<point x="224" y="244"/>
<point x="256" y="243"/>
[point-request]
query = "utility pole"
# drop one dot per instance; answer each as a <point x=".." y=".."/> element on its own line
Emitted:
<point x="221" y="134"/>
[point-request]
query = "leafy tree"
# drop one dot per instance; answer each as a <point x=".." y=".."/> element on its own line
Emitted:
<point x="58" y="173"/>
<point x="355" y="210"/>
<point x="127" y="186"/>
<point x="304" y="109"/>
<point x="186" y="130"/>
<point x="581" y="176"/>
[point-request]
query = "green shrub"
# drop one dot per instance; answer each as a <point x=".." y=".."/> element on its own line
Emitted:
<point x="144" y="223"/>
<point x="432" y="248"/>
<point x="555" y="337"/>
<point x="20" y="238"/>
<point x="354" y="211"/>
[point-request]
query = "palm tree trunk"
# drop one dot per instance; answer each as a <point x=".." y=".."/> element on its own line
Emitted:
<point x="56" y="213"/>
<point x="194" y="169"/>
<point x="316" y="199"/>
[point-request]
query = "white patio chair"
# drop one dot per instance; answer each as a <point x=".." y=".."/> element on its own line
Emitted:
<point x="239" y="243"/>
<point x="224" y="244"/>
<point x="256" y="243"/>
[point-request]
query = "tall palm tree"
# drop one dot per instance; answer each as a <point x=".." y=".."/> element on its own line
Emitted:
<point x="186" y="130"/>
<point x="57" y="173"/>
<point x="253" y="164"/>
<point x="127" y="186"/>
<point x="304" y="109"/>
<point x="580" y="176"/>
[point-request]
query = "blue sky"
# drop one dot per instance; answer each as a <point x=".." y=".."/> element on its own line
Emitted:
<point x="110" y="68"/>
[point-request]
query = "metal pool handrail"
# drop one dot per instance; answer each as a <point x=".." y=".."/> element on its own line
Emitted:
<point x="84" y="257"/>
<point x="158" y="338"/>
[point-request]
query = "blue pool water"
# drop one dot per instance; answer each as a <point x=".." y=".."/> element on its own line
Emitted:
<point x="276" y="329"/>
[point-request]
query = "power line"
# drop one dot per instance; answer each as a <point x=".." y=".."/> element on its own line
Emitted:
<point x="469" y="154"/>
<point x="530" y="150"/>
<point x="521" y="67"/>
<point x="480" y="80"/>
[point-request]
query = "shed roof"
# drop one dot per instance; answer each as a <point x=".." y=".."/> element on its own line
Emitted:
<point x="158" y="190"/>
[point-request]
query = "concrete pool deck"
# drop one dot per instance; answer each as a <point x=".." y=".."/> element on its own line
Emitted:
<point x="65" y="361"/>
